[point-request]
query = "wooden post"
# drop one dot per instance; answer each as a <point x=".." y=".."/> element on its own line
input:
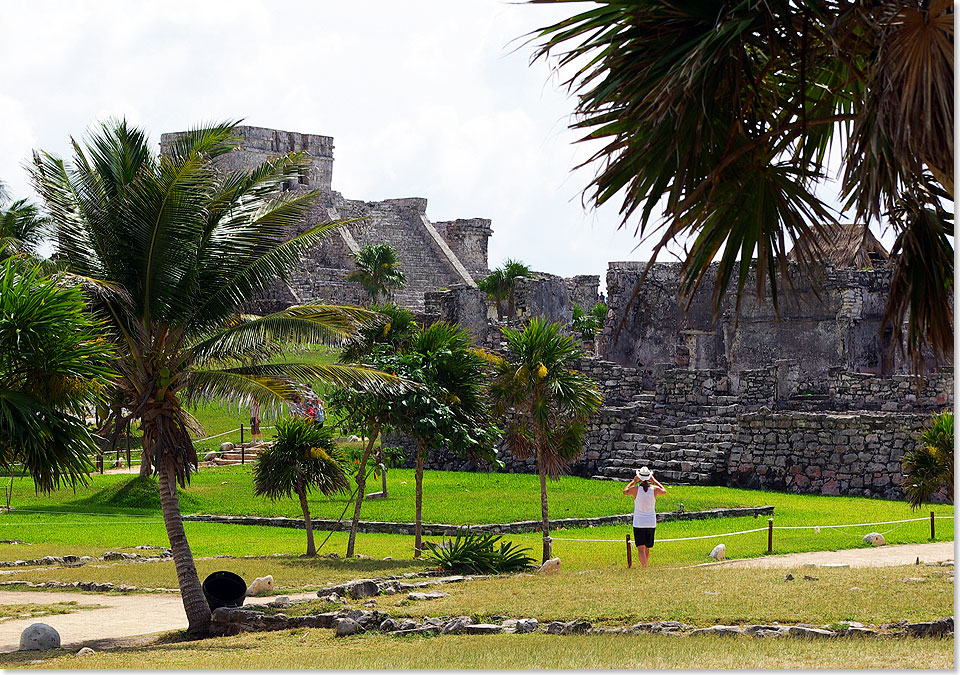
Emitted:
<point x="243" y="455"/>
<point x="128" y="445"/>
<point x="769" y="535"/>
<point x="629" y="553"/>
<point x="933" y="531"/>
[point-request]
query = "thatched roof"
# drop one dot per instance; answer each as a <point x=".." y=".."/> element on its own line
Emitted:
<point x="844" y="246"/>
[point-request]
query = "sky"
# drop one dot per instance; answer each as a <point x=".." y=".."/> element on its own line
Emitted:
<point x="434" y="99"/>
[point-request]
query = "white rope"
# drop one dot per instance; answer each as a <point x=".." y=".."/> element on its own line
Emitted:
<point x="884" y="522"/>
<point x="200" y="440"/>
<point x="622" y="541"/>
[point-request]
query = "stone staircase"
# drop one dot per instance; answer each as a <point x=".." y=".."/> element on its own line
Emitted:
<point x="248" y="454"/>
<point x="398" y="223"/>
<point x="682" y="444"/>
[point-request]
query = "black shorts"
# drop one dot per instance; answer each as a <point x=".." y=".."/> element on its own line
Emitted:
<point x="643" y="536"/>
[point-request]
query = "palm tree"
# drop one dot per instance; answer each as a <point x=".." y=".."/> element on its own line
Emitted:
<point x="377" y="270"/>
<point x="716" y="121"/>
<point x="500" y="283"/>
<point x="22" y="227"/>
<point x="172" y="249"/>
<point x="303" y="457"/>
<point x="588" y="323"/>
<point x="54" y="365"/>
<point x="546" y="404"/>
<point x="451" y="409"/>
<point x="928" y="467"/>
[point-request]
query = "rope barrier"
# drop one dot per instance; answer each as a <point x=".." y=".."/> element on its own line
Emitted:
<point x="883" y="522"/>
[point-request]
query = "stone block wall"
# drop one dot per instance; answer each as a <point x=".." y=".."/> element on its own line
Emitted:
<point x="467" y="238"/>
<point x="898" y="392"/>
<point x="820" y="453"/>
<point x="679" y="386"/>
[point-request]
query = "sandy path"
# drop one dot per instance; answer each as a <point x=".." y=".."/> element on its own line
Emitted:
<point x="123" y="616"/>
<point x="884" y="556"/>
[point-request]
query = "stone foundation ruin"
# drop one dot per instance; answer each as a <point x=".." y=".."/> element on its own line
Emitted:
<point x="812" y="400"/>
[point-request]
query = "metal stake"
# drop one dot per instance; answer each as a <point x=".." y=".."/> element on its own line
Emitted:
<point x="769" y="535"/>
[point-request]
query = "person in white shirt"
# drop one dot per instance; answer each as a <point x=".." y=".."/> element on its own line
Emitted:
<point x="644" y="489"/>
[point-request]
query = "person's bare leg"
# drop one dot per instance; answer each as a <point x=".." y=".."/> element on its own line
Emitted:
<point x="643" y="553"/>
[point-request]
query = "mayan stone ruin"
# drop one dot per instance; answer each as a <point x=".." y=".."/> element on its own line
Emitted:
<point x="812" y="400"/>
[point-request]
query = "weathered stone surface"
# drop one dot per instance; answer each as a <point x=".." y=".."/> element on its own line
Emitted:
<point x="85" y="651"/>
<point x="432" y="595"/>
<point x="809" y="633"/>
<point x="551" y="566"/>
<point x="482" y="629"/>
<point x="227" y="447"/>
<point x="931" y="628"/>
<point x="554" y="627"/>
<point x="39" y="636"/>
<point x="389" y="624"/>
<point x="260" y="586"/>
<point x="364" y="588"/>
<point x="874" y="539"/>
<point x="719" y="552"/>
<point x="753" y="629"/>
<point x="347" y="627"/>
<point x="576" y="627"/>
<point x="718" y="630"/>
<point x="456" y="624"/>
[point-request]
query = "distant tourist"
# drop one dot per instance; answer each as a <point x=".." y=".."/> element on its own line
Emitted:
<point x="255" y="422"/>
<point x="319" y="413"/>
<point x="644" y="489"/>
<point x="296" y="406"/>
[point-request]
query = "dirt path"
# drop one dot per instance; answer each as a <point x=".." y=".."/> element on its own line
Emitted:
<point x="123" y="616"/>
<point x="884" y="556"/>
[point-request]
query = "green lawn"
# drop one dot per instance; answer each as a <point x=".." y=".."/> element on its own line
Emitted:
<point x="318" y="648"/>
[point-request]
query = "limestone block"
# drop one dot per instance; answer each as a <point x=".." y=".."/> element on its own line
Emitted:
<point x="260" y="586"/>
<point x="227" y="447"/>
<point x="39" y="636"/>
<point x="874" y="539"/>
<point x="347" y="627"/>
<point x="549" y="567"/>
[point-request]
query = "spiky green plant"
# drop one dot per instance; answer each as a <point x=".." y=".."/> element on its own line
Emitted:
<point x="928" y="467"/>
<point x="478" y="553"/>
<point x="499" y="285"/>
<point x="22" y="226"/>
<point x="546" y="403"/>
<point x="713" y="124"/>
<point x="172" y="249"/>
<point x="303" y="457"/>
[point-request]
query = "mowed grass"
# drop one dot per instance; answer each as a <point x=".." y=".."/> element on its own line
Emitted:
<point x="319" y="648"/>
<point x="449" y="497"/>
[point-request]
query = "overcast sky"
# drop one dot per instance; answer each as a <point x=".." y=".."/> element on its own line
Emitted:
<point x="432" y="99"/>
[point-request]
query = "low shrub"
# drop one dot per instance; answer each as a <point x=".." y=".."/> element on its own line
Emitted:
<point x="478" y="554"/>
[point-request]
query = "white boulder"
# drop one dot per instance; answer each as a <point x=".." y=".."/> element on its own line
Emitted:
<point x="210" y="456"/>
<point x="85" y="651"/>
<point x="719" y="552"/>
<point x="874" y="539"/>
<point x="227" y="447"/>
<point x="261" y="585"/>
<point x="39" y="636"/>
<point x="551" y="566"/>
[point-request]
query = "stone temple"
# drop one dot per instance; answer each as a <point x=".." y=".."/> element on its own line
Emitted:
<point x="813" y="398"/>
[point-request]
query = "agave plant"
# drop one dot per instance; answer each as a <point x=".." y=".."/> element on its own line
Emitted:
<point x="478" y="553"/>
<point x="172" y="249"/>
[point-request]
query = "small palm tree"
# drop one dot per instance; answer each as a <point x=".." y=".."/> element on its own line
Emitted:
<point x="54" y="365"/>
<point x="588" y="323"/>
<point x="378" y="270"/>
<point x="22" y="227"/>
<point x="928" y="467"/>
<point x="303" y="457"/>
<point x="546" y="403"/>
<point x="172" y="249"/>
<point x="500" y="283"/>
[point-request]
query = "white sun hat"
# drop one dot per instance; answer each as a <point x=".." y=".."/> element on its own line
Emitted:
<point x="644" y="473"/>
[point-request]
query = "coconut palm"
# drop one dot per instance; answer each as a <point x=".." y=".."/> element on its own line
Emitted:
<point x="54" y="365"/>
<point x="546" y="403"/>
<point x="928" y="468"/>
<point x="377" y="270"/>
<point x="450" y="409"/>
<point x="22" y="227"/>
<point x="303" y="457"/>
<point x="500" y="283"/>
<point x="171" y="250"/>
<point x="715" y="122"/>
<point x="588" y="323"/>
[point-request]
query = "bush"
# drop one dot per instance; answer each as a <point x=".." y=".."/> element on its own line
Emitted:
<point x="478" y="553"/>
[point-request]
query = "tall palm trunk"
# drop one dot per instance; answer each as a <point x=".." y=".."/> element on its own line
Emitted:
<point x="194" y="602"/>
<point x="302" y="493"/>
<point x="361" y="487"/>
<point x="417" y="543"/>
<point x="547" y="552"/>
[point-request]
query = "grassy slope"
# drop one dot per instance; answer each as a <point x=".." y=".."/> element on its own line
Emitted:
<point x="313" y="648"/>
